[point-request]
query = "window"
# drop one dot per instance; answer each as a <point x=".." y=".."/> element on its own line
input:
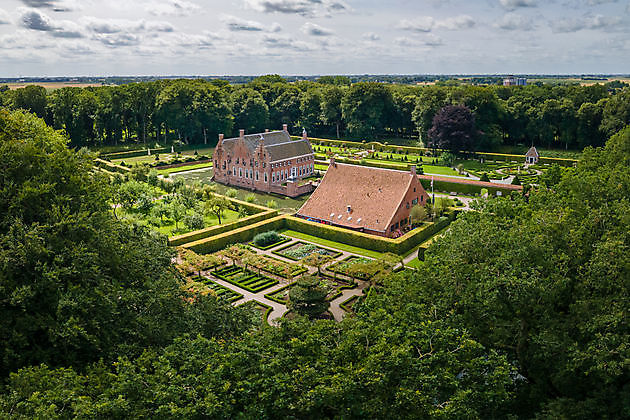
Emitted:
<point x="240" y="173"/>
<point x="237" y="161"/>
<point x="407" y="204"/>
<point x="251" y="174"/>
<point x="414" y="189"/>
<point x="234" y="170"/>
<point x="265" y="176"/>
<point x="256" y="175"/>
<point x="421" y="198"/>
<point x="414" y="201"/>
<point x="273" y="177"/>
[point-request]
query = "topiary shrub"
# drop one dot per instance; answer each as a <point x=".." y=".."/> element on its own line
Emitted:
<point x="484" y="177"/>
<point x="267" y="238"/>
<point x="307" y="297"/>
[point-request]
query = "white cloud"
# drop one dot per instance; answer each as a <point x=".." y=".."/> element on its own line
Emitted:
<point x="300" y="7"/>
<point x="57" y="5"/>
<point x="515" y="4"/>
<point x="286" y="42"/>
<point x="316" y="30"/>
<point x="456" y="23"/>
<point x="113" y="26"/>
<point x="429" y="40"/>
<point x="172" y="8"/>
<point x="433" y="40"/>
<point x="4" y="17"/>
<point x="371" y="36"/>
<point x="514" y="22"/>
<point x="237" y="24"/>
<point x="579" y="24"/>
<point x="420" y="24"/>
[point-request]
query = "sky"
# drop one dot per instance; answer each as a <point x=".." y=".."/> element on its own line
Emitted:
<point x="311" y="37"/>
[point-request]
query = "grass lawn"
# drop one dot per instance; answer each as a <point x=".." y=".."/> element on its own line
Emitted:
<point x="332" y="244"/>
<point x="440" y="170"/>
<point x="415" y="263"/>
<point x="185" y="168"/>
<point x="169" y="226"/>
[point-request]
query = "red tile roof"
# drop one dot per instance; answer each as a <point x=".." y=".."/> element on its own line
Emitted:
<point x="373" y="194"/>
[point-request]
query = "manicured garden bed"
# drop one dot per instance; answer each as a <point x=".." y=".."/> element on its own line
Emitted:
<point x="335" y="286"/>
<point x="245" y="279"/>
<point x="222" y="292"/>
<point x="298" y="250"/>
<point x="341" y="267"/>
<point x="348" y="304"/>
<point x="332" y="244"/>
<point x="278" y="267"/>
<point x="284" y="240"/>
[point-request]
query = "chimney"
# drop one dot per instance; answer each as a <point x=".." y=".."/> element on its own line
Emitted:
<point x="266" y="130"/>
<point x="241" y="133"/>
<point x="285" y="128"/>
<point x="304" y="137"/>
<point x="221" y="137"/>
<point x="412" y="169"/>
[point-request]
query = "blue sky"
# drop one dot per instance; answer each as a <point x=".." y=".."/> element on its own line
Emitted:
<point x="204" y="37"/>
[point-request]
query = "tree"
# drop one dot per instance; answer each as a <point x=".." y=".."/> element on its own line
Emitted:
<point x="453" y="129"/>
<point x="249" y="109"/>
<point x="76" y="284"/>
<point x="217" y="206"/>
<point x="516" y="180"/>
<point x="331" y="107"/>
<point x="31" y="98"/>
<point x="418" y="213"/>
<point x="307" y="297"/>
<point x="484" y="177"/>
<point x="178" y="212"/>
<point x="367" y="108"/>
<point x="316" y="260"/>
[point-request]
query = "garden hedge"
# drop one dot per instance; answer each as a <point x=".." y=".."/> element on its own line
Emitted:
<point x="135" y="153"/>
<point x="110" y="167"/>
<point x="218" y="229"/>
<point x="464" y="188"/>
<point x="242" y="234"/>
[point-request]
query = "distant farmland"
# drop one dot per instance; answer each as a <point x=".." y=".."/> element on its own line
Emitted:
<point x="51" y="85"/>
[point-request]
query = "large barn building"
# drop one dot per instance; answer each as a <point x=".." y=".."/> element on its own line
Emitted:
<point x="371" y="200"/>
<point x="268" y="162"/>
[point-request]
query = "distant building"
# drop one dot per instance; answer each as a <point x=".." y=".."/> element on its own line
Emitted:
<point x="531" y="157"/>
<point x="268" y="162"/>
<point x="514" y="81"/>
<point x="371" y="200"/>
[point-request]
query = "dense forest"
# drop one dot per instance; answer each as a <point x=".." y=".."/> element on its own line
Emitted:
<point x="196" y="111"/>
<point x="519" y="311"/>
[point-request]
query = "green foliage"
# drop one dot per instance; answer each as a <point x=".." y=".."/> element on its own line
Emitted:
<point x="267" y="238"/>
<point x="484" y="177"/>
<point x="308" y="297"/>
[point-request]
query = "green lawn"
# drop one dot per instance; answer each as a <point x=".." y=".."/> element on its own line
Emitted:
<point x="169" y="226"/>
<point x="332" y="244"/>
<point x="440" y="170"/>
<point x="415" y="263"/>
<point x="185" y="168"/>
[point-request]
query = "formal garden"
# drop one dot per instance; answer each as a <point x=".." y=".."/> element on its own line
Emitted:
<point x="299" y="250"/>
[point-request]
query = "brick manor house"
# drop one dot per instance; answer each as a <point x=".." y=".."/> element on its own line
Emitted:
<point x="371" y="200"/>
<point x="268" y="162"/>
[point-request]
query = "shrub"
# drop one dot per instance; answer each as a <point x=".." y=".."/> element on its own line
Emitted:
<point x="267" y="238"/>
<point x="194" y="221"/>
<point x="484" y="177"/>
<point x="516" y="181"/>
<point x="232" y="193"/>
<point x="272" y="204"/>
<point x="250" y="198"/>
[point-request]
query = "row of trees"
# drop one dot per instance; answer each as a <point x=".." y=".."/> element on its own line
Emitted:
<point x="197" y="111"/>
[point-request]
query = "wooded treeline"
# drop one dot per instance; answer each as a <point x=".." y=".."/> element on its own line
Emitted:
<point x="196" y="111"/>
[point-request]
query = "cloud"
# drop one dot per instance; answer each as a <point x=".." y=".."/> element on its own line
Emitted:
<point x="433" y="40"/>
<point x="308" y="8"/>
<point x="427" y="23"/>
<point x="515" y="4"/>
<point x="114" y="26"/>
<point x="430" y="40"/>
<point x="37" y="21"/>
<point x="316" y="30"/>
<point x="420" y="24"/>
<point x="286" y="42"/>
<point x="4" y="17"/>
<point x="371" y="36"/>
<point x="56" y="5"/>
<point x="237" y="24"/>
<point x="173" y="8"/>
<point x="456" y="23"/>
<point x="579" y="24"/>
<point x="514" y="22"/>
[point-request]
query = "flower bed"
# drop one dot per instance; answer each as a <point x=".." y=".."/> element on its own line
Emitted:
<point x="279" y="268"/>
<point x="341" y="267"/>
<point x="245" y="279"/>
<point x="222" y="292"/>
<point x="299" y="250"/>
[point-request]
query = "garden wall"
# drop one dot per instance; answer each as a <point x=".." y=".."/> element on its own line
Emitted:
<point x="216" y="230"/>
<point x="242" y="234"/>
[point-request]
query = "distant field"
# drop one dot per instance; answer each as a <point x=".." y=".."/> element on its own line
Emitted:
<point x="51" y="85"/>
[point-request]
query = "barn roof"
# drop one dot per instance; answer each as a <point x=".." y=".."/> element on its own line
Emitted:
<point x="373" y="194"/>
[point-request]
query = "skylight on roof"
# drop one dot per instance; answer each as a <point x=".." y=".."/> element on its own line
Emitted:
<point x="359" y="220"/>
<point x="332" y="215"/>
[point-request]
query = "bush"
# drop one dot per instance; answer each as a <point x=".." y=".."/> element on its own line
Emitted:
<point x="267" y="238"/>
<point x="232" y="193"/>
<point x="516" y="181"/>
<point x="484" y="177"/>
<point x="194" y="221"/>
<point x="250" y="198"/>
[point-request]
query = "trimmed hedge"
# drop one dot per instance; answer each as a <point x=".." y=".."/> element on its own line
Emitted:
<point x="284" y="240"/>
<point x="463" y="188"/>
<point x="218" y="229"/>
<point x="110" y="167"/>
<point x="135" y="153"/>
<point x="242" y="234"/>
